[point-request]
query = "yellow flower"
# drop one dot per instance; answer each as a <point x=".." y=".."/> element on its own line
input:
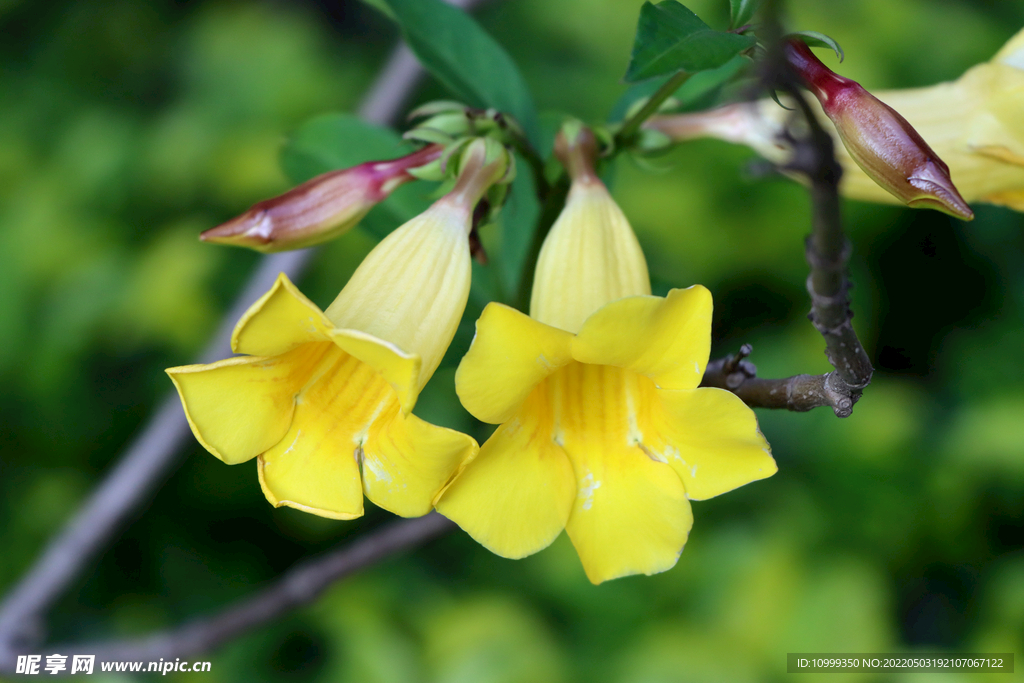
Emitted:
<point x="975" y="124"/>
<point x="603" y="431"/>
<point x="324" y="399"/>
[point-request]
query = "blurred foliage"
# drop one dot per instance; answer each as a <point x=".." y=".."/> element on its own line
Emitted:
<point x="128" y="127"/>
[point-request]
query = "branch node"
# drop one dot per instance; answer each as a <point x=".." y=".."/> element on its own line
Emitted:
<point x="841" y="395"/>
<point x="822" y="262"/>
<point x="735" y="362"/>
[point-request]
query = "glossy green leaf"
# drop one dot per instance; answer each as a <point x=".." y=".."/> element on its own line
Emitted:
<point x="468" y="61"/>
<point x="697" y="91"/>
<point x="670" y="38"/>
<point x="815" y="39"/>
<point x="382" y="7"/>
<point x="742" y="11"/>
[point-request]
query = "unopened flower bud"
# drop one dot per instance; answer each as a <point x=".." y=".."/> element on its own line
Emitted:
<point x="320" y="209"/>
<point x="881" y="141"/>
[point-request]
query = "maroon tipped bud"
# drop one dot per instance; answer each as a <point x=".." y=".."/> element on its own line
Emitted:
<point x="881" y="141"/>
<point x="319" y="209"/>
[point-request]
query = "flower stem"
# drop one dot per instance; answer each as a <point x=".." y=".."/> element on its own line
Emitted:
<point x="630" y="127"/>
<point x="523" y="146"/>
<point x="576" y="148"/>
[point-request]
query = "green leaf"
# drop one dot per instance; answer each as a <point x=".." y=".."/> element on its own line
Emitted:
<point x="695" y="93"/>
<point x="670" y="38"/>
<point x="465" y="59"/>
<point x="815" y="39"/>
<point x="740" y="11"/>
<point x="382" y="7"/>
<point x="334" y="141"/>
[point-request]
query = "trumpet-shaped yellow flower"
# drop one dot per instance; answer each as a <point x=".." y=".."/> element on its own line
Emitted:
<point x="603" y="429"/>
<point x="323" y="399"/>
<point x="975" y="124"/>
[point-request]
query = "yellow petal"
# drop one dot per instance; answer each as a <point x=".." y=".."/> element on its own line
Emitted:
<point x="515" y="497"/>
<point x="998" y="129"/>
<point x="589" y="258"/>
<point x="315" y="466"/>
<point x="511" y="353"/>
<point x="1000" y="153"/>
<point x="710" y="438"/>
<point x="399" y="369"/>
<point x="668" y="340"/>
<point x="240" y="407"/>
<point x="631" y="514"/>
<point x="279" y="321"/>
<point x="412" y="288"/>
<point x="1012" y="200"/>
<point x="407" y="462"/>
<point x="1012" y="53"/>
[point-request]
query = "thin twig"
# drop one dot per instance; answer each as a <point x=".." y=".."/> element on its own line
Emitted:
<point x="827" y="251"/>
<point x="798" y="393"/>
<point x="536" y="163"/>
<point x="295" y="588"/>
<point x="667" y="89"/>
<point x="156" y="451"/>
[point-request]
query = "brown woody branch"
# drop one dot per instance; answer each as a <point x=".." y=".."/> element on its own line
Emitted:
<point x="828" y="253"/>
<point x="799" y="393"/>
<point x="297" y="587"/>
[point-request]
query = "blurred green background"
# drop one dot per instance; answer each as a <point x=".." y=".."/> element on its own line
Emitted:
<point x="127" y="127"/>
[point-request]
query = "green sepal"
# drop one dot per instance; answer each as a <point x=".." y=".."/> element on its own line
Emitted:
<point x="428" y="135"/>
<point x="652" y="141"/>
<point x="435" y="107"/>
<point x="815" y="39"/>
<point x="453" y="123"/>
<point x="433" y="171"/>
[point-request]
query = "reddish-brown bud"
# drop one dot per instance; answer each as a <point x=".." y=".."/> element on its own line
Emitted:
<point x="881" y="141"/>
<point x="319" y="209"/>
